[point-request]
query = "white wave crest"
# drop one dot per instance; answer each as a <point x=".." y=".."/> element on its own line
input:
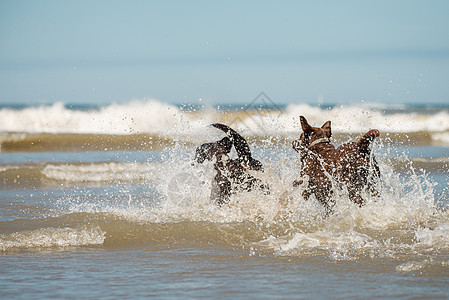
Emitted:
<point x="156" y="117"/>
<point x="134" y="117"/>
<point x="357" y="118"/>
<point x="102" y="172"/>
<point x="53" y="237"/>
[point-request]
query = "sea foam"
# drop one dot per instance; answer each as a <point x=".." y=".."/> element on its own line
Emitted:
<point x="152" y="116"/>
<point x="53" y="237"/>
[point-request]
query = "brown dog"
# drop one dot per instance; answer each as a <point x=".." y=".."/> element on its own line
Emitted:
<point x="350" y="164"/>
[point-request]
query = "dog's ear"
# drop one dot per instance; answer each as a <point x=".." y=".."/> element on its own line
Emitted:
<point x="327" y="128"/>
<point x="305" y="126"/>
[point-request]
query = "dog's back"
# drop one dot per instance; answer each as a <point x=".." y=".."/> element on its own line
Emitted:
<point x="356" y="167"/>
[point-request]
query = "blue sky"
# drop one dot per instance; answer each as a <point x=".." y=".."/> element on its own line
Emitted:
<point x="224" y="52"/>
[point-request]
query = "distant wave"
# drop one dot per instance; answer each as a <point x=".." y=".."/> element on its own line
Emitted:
<point x="140" y="117"/>
<point x="155" y="117"/>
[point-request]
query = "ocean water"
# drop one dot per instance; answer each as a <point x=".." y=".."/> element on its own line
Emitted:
<point x="104" y="202"/>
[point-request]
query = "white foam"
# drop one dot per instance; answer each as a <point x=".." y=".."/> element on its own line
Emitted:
<point x="436" y="238"/>
<point x="412" y="266"/>
<point x="53" y="237"/>
<point x="153" y="116"/>
<point x="345" y="119"/>
<point x="324" y="240"/>
<point x="102" y="172"/>
<point x="441" y="137"/>
<point x="358" y="118"/>
<point x="134" y="117"/>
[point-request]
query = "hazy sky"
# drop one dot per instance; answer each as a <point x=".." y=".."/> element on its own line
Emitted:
<point x="224" y="51"/>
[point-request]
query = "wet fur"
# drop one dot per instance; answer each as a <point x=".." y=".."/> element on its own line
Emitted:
<point x="231" y="174"/>
<point x="350" y="164"/>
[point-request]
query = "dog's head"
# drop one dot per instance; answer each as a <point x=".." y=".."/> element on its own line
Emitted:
<point x="314" y="135"/>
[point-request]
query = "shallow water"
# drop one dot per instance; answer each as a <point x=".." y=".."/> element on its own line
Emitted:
<point x="113" y="224"/>
<point x="210" y="272"/>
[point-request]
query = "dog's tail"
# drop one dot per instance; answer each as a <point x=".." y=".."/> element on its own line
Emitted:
<point x="240" y="144"/>
<point x="367" y="139"/>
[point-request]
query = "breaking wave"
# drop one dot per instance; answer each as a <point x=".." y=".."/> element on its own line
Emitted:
<point x="169" y="121"/>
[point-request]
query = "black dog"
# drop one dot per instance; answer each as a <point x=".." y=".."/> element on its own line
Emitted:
<point x="232" y="175"/>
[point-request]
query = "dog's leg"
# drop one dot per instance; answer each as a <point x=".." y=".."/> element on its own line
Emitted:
<point x="354" y="195"/>
<point x="221" y="190"/>
<point x="374" y="178"/>
<point x="306" y="194"/>
<point x="322" y="189"/>
<point x="324" y="196"/>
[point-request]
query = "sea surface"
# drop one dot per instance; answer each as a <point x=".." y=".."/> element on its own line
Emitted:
<point x="104" y="202"/>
